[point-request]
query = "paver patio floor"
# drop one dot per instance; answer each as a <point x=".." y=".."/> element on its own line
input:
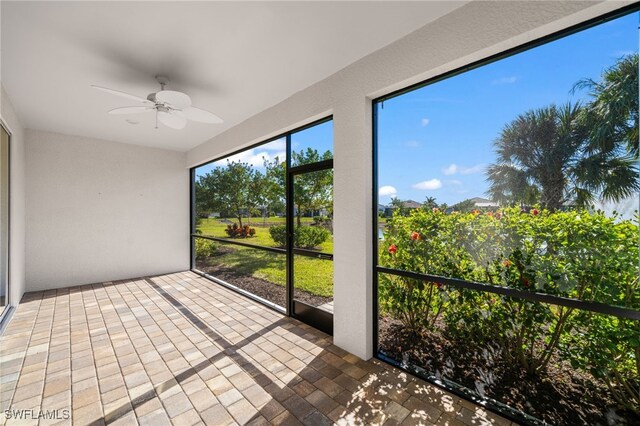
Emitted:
<point x="179" y="349"/>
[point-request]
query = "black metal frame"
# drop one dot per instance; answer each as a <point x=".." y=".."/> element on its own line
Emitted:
<point x="192" y="218"/>
<point x="602" y="308"/>
<point x="306" y="313"/>
<point x="241" y="243"/>
<point x="318" y="318"/>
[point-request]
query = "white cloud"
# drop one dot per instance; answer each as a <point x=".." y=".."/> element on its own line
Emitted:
<point x="252" y="157"/>
<point x="428" y="184"/>
<point x="412" y="144"/>
<point x="471" y="170"/>
<point x="387" y="191"/>
<point x="455" y="182"/>
<point x="505" y="80"/>
<point x="424" y="122"/>
<point x="452" y="169"/>
<point x="277" y="145"/>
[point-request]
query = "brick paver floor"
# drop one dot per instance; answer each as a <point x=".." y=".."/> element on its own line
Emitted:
<point x="179" y="349"/>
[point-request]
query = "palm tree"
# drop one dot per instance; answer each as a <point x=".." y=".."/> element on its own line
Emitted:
<point x="430" y="203"/>
<point x="546" y="156"/>
<point x="610" y="164"/>
<point x="536" y="156"/>
<point x="612" y="115"/>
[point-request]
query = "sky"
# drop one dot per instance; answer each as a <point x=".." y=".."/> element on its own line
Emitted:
<point x="438" y="140"/>
<point x="319" y="137"/>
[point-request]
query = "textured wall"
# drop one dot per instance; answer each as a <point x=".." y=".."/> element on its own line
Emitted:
<point x="99" y="211"/>
<point x="17" y="201"/>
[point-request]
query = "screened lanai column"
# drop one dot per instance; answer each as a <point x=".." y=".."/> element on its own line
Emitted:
<point x="352" y="179"/>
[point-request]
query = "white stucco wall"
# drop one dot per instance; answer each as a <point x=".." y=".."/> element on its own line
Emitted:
<point x="101" y="211"/>
<point x="17" y="200"/>
<point x="472" y="32"/>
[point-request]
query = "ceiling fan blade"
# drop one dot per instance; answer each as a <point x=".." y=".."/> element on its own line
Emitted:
<point x="177" y="100"/>
<point x="122" y="94"/>
<point x="172" y="120"/>
<point x="131" y="110"/>
<point x="201" y="115"/>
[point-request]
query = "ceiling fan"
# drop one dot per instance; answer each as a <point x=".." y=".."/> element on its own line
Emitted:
<point x="172" y="108"/>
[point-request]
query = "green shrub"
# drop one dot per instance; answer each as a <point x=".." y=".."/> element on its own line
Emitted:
<point x="235" y="231"/>
<point x="304" y="236"/>
<point x="571" y="254"/>
<point x="204" y="248"/>
<point x="417" y="304"/>
<point x="609" y="349"/>
<point x="310" y="236"/>
<point x="279" y="234"/>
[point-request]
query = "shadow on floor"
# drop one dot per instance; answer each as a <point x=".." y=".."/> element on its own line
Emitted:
<point x="350" y="391"/>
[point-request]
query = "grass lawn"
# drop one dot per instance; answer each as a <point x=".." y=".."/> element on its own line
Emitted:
<point x="215" y="228"/>
<point x="312" y="275"/>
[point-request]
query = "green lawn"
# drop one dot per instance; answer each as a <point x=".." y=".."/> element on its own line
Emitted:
<point x="215" y="228"/>
<point x="312" y="275"/>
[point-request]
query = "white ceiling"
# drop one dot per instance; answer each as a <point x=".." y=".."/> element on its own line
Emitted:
<point x="233" y="58"/>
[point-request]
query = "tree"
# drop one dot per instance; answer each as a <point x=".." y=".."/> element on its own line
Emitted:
<point x="612" y="114"/>
<point x="236" y="188"/>
<point x="398" y="206"/>
<point x="611" y="120"/>
<point x="543" y="156"/>
<point x="464" y="206"/>
<point x="314" y="190"/>
<point x="202" y="204"/>
<point x="430" y="203"/>
<point x="535" y="156"/>
<point x="275" y="181"/>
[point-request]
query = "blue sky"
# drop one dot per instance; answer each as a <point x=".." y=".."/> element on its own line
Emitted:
<point x="437" y="141"/>
<point x="319" y="137"/>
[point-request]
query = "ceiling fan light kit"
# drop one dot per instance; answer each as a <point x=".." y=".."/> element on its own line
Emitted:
<point x="172" y="108"/>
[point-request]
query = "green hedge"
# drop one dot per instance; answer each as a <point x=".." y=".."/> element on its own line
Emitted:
<point x="572" y="254"/>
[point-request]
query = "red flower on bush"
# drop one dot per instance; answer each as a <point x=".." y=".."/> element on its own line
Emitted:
<point x="439" y="285"/>
<point x="435" y="210"/>
<point x="506" y="263"/>
<point x="535" y="212"/>
<point x="526" y="283"/>
<point x="393" y="249"/>
<point x="415" y="236"/>
<point x="476" y="212"/>
<point x="498" y="215"/>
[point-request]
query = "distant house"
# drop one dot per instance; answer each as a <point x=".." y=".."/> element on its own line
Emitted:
<point x="483" y="202"/>
<point x="409" y="205"/>
<point x="475" y="203"/>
